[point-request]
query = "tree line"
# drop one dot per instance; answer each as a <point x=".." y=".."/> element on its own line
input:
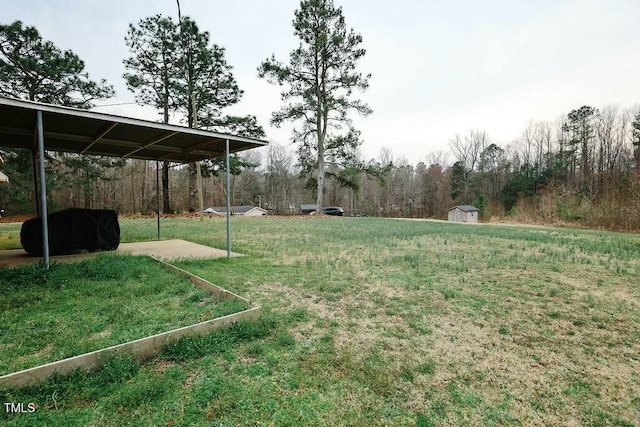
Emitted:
<point x="583" y="167"/>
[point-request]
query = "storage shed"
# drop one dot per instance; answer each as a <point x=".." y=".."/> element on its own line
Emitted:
<point x="463" y="213"/>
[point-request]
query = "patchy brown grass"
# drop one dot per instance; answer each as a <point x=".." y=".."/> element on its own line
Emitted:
<point x="554" y="331"/>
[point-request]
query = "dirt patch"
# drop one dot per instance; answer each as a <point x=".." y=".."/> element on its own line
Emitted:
<point x="162" y="366"/>
<point x="102" y="334"/>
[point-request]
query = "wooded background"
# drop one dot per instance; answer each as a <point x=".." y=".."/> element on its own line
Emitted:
<point x="583" y="168"/>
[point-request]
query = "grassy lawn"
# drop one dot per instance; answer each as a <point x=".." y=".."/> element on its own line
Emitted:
<point x="76" y="308"/>
<point x="10" y="235"/>
<point x="385" y="322"/>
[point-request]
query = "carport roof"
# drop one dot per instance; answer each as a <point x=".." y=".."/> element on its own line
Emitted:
<point x="88" y="132"/>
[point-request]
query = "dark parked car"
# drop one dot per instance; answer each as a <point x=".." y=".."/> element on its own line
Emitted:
<point x="333" y="211"/>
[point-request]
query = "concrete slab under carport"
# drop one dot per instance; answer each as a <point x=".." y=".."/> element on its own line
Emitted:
<point x="171" y="250"/>
<point x="166" y="250"/>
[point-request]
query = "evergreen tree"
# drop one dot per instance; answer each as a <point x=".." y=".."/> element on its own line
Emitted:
<point x="152" y="72"/>
<point x="36" y="70"/>
<point x="321" y="78"/>
<point x="581" y="128"/>
<point x="523" y="183"/>
<point x="206" y="86"/>
<point x="459" y="181"/>
<point x="16" y="196"/>
<point x="176" y="68"/>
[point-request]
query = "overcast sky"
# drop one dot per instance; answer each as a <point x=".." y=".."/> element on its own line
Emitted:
<point x="439" y="68"/>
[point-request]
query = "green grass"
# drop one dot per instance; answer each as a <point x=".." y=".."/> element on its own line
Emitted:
<point x="74" y="308"/>
<point x="10" y="235"/>
<point x="385" y="322"/>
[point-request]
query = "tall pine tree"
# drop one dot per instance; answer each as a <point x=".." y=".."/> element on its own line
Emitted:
<point x="37" y="70"/>
<point x="152" y="72"/>
<point x="205" y="87"/>
<point x="176" y="68"/>
<point x="321" y="77"/>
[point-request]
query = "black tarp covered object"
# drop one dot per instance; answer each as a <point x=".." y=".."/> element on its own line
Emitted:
<point x="73" y="231"/>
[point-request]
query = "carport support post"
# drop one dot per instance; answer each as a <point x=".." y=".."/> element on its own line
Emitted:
<point x="43" y="193"/>
<point x="228" y="201"/>
<point x="158" y="194"/>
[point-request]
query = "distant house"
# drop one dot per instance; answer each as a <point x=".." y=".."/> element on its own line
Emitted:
<point x="236" y="210"/>
<point x="249" y="211"/>
<point x="463" y="213"/>
<point x="307" y="209"/>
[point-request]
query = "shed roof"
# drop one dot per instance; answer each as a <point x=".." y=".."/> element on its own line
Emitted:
<point x="465" y="208"/>
<point x="88" y="132"/>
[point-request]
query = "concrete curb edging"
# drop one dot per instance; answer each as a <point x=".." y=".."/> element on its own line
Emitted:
<point x="142" y="348"/>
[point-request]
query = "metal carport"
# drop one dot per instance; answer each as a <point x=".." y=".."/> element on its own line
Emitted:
<point x="37" y="126"/>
